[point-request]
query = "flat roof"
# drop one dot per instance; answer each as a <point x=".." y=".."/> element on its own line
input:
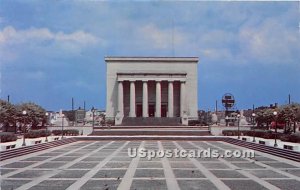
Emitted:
<point x="152" y="73"/>
<point x="151" y="59"/>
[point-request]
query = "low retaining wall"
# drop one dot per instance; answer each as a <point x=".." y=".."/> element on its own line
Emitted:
<point x="86" y="130"/>
<point x="28" y="141"/>
<point x="217" y="130"/>
<point x="271" y="142"/>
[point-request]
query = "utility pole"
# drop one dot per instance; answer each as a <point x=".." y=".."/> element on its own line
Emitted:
<point x="73" y="113"/>
<point x="8" y="98"/>
<point x="84" y="105"/>
<point x="72" y="104"/>
<point x="173" y="51"/>
<point x="289" y="99"/>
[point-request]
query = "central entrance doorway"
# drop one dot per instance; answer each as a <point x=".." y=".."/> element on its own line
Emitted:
<point x="164" y="110"/>
<point x="151" y="110"/>
<point x="139" y="110"/>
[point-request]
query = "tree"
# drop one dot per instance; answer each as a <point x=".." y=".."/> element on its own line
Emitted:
<point x="102" y="119"/>
<point x="290" y="114"/>
<point x="35" y="114"/>
<point x="265" y="116"/>
<point x="8" y="115"/>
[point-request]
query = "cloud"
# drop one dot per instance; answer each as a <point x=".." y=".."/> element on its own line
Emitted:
<point x="160" y="38"/>
<point x="270" y="42"/>
<point x="9" y="35"/>
<point x="257" y="40"/>
<point x="2" y="20"/>
<point x="217" y="54"/>
<point x="35" y="75"/>
<point x="15" y="44"/>
<point x="213" y="45"/>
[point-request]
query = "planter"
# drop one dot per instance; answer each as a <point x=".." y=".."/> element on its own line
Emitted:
<point x="55" y="138"/>
<point x="291" y="147"/>
<point x="34" y="141"/>
<point x="8" y="147"/>
<point x="262" y="142"/>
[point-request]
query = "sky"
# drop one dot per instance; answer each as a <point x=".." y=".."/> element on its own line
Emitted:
<point x="51" y="51"/>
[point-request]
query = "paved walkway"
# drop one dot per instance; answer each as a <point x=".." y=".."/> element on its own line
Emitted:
<point x="106" y="165"/>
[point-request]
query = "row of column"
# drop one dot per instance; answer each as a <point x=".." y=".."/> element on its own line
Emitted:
<point x="132" y="112"/>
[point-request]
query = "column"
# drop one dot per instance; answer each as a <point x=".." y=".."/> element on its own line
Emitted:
<point x="182" y="98"/>
<point x="145" y="99"/>
<point x="132" y="99"/>
<point x="170" y="99"/>
<point x="158" y="99"/>
<point x="120" y="98"/>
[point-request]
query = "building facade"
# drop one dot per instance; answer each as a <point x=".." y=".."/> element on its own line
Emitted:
<point x="151" y="87"/>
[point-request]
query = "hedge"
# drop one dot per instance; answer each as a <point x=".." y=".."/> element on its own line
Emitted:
<point x="295" y="137"/>
<point x="67" y="132"/>
<point x="37" y="134"/>
<point x="193" y="122"/>
<point x="110" y="122"/>
<point x="7" y="137"/>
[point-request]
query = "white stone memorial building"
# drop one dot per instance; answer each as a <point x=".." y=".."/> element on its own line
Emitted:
<point x="151" y="88"/>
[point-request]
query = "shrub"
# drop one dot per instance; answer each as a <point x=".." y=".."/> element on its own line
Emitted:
<point x="285" y="138"/>
<point x="56" y="132"/>
<point x="7" y="137"/>
<point x="295" y="138"/>
<point x="71" y="132"/>
<point x="234" y="132"/>
<point x="110" y="122"/>
<point x="37" y="133"/>
<point x="193" y="122"/>
<point x="67" y="132"/>
<point x="228" y="133"/>
<point x="259" y="133"/>
<point x="262" y="134"/>
<point x="45" y="133"/>
<point x="268" y="135"/>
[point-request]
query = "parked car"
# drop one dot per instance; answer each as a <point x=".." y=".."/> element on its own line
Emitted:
<point x="279" y="125"/>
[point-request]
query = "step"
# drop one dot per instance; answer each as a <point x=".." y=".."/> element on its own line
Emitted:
<point x="288" y="154"/>
<point x="151" y="121"/>
<point x="279" y="151"/>
<point x="4" y="155"/>
<point x="151" y="132"/>
<point x="263" y="146"/>
<point x="154" y="129"/>
<point x="150" y="127"/>
<point x="292" y="154"/>
<point x="32" y="148"/>
<point x="150" y="137"/>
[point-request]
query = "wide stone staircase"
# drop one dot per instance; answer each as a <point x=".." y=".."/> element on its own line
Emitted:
<point x="34" y="148"/>
<point x="283" y="153"/>
<point x="151" y="121"/>
<point x="151" y="132"/>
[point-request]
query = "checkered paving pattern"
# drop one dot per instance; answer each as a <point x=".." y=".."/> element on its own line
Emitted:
<point x="106" y="165"/>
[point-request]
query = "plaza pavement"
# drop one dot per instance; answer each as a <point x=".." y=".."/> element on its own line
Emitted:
<point x="106" y="165"/>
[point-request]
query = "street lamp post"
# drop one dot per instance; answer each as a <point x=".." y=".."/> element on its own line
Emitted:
<point x="253" y="116"/>
<point x="62" y="126"/>
<point x="93" y="111"/>
<point x="238" y="116"/>
<point x="275" y="114"/>
<point x="46" y="126"/>
<point x="24" y="114"/>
